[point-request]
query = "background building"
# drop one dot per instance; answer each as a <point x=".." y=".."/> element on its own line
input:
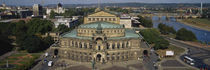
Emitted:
<point x="126" y="21"/>
<point x="25" y="13"/>
<point x="102" y="16"/>
<point x="69" y="22"/>
<point x="37" y="10"/>
<point x="58" y="10"/>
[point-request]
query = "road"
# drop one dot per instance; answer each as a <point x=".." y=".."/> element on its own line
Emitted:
<point x="150" y="60"/>
<point x="44" y="65"/>
<point x="196" y="53"/>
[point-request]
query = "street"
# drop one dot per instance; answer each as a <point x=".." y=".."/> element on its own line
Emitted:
<point x="150" y="60"/>
<point x="196" y="53"/>
<point x="42" y="65"/>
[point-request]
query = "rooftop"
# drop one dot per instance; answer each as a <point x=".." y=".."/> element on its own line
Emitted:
<point x="129" y="33"/>
<point x="103" y="25"/>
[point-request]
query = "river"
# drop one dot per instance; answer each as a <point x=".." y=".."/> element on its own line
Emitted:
<point x="202" y="35"/>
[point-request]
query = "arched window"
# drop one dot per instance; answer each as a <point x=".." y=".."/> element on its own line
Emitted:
<point x="65" y="44"/>
<point x="127" y="45"/>
<point x="89" y="19"/>
<point x="102" y="19"/>
<point x="107" y="47"/>
<point x="123" y="45"/>
<point x="110" y="19"/>
<point x="114" y="19"/>
<point x="118" y="45"/>
<point x="90" y="46"/>
<point x="72" y="43"/>
<point x="113" y="46"/>
<point x="105" y="19"/>
<point x="85" y="45"/>
<point x="80" y="45"/>
<point x="76" y="44"/>
<point x="99" y="47"/>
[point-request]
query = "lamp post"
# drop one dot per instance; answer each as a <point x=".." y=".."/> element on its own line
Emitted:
<point x="7" y="65"/>
<point x="206" y="39"/>
<point x="93" y="64"/>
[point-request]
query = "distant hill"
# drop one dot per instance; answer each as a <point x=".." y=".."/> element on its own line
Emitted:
<point x="151" y="5"/>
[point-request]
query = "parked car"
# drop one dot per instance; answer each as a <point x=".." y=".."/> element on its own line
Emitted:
<point x="50" y="63"/>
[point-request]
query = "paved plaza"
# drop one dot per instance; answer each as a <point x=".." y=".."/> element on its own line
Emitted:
<point x="173" y="64"/>
<point x="72" y="65"/>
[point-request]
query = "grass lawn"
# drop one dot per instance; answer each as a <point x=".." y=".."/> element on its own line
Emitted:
<point x="20" y="60"/>
<point x="177" y="51"/>
<point x="197" y="22"/>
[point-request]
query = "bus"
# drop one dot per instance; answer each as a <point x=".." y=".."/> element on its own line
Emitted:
<point x="189" y="60"/>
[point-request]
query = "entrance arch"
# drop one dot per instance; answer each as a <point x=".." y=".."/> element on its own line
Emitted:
<point x="145" y="52"/>
<point x="98" y="57"/>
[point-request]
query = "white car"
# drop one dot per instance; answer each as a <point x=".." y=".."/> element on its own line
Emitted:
<point x="46" y="54"/>
<point x="50" y="63"/>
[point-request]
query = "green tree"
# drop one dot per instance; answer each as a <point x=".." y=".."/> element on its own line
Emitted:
<point x="164" y="29"/>
<point x="161" y="44"/>
<point x="62" y="28"/>
<point x="145" y="22"/>
<point x="150" y="35"/>
<point x="186" y="35"/>
<point x="53" y="14"/>
<point x="5" y="43"/>
<point x="38" y="26"/>
<point x="47" y="41"/>
<point x="33" y="44"/>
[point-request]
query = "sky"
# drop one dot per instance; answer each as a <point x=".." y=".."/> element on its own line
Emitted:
<point x="31" y="2"/>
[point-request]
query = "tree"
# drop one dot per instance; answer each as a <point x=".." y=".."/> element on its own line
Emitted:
<point x="186" y="35"/>
<point x="164" y="29"/>
<point x="47" y="41"/>
<point x="39" y="26"/>
<point x="62" y="28"/>
<point x="145" y="22"/>
<point x="53" y="14"/>
<point x="5" y="43"/>
<point x="161" y="44"/>
<point x="150" y="35"/>
<point x="33" y="44"/>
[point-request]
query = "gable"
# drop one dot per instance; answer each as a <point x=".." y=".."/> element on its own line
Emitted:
<point x="102" y="13"/>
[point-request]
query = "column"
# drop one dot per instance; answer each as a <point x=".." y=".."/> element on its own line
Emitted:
<point x="110" y="46"/>
<point x="120" y="45"/>
<point x="115" y="45"/>
<point x="70" y="43"/>
<point x="83" y="45"/>
<point x="111" y="57"/>
<point x="88" y="45"/>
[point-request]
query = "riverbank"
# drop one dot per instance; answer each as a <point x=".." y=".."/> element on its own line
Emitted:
<point x="197" y="23"/>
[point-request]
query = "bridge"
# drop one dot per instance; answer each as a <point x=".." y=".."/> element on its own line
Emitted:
<point x="169" y="16"/>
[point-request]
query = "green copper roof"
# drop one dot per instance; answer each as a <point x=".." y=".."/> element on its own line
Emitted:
<point x="73" y="34"/>
<point x="103" y="25"/>
<point x="129" y="33"/>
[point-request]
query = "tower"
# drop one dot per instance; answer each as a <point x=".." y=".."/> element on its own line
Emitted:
<point x="37" y="10"/>
<point x="98" y="8"/>
<point x="201" y="7"/>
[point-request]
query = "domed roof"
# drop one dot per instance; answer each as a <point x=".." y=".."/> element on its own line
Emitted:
<point x="102" y="25"/>
<point x="59" y="5"/>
